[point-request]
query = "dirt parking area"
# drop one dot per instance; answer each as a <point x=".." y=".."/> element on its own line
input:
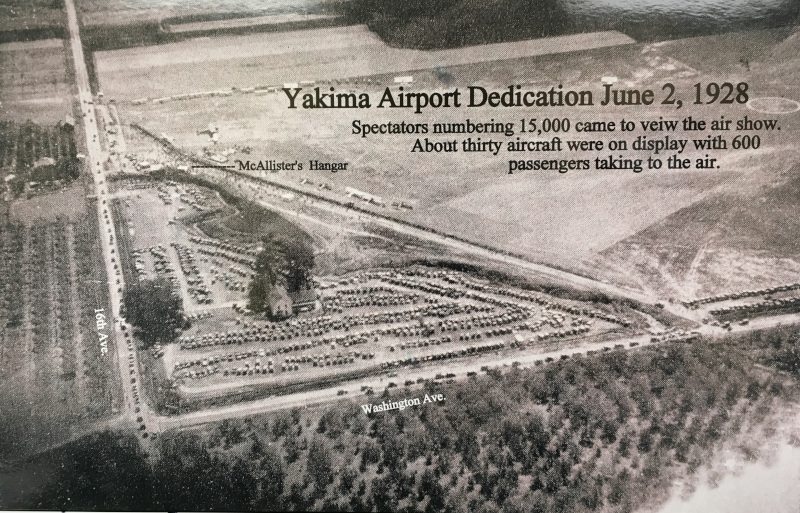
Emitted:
<point x="208" y="274"/>
<point x="378" y="321"/>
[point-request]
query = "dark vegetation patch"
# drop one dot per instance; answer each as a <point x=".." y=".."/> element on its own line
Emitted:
<point x="154" y="309"/>
<point x="428" y="24"/>
<point x="32" y="153"/>
<point x="254" y="223"/>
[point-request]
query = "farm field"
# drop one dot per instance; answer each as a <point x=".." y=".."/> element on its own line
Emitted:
<point x="30" y="15"/>
<point x="34" y="83"/>
<point x="55" y="375"/>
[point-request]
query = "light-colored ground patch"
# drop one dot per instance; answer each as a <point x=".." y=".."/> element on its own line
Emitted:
<point x="246" y="22"/>
<point x="729" y="270"/>
<point x="548" y="211"/>
<point x="30" y="45"/>
<point x="69" y="203"/>
<point x="122" y="12"/>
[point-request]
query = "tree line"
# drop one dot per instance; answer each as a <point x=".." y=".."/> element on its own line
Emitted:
<point x="428" y="24"/>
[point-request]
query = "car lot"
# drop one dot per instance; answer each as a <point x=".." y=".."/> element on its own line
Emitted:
<point x="376" y="321"/>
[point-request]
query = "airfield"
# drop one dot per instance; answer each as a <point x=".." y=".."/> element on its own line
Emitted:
<point x="589" y="222"/>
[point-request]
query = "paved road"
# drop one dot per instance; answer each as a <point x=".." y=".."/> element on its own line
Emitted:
<point x="125" y="355"/>
<point x="461" y="368"/>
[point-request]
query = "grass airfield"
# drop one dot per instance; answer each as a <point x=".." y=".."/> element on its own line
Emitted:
<point x="593" y="222"/>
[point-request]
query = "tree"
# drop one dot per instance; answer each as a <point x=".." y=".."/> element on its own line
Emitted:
<point x="788" y="360"/>
<point x="258" y="293"/>
<point x="645" y="441"/>
<point x="430" y="487"/>
<point x="273" y="475"/>
<point x="281" y="262"/>
<point x="319" y="466"/>
<point x="68" y="167"/>
<point x="154" y="309"/>
<point x="299" y="261"/>
<point x="268" y="260"/>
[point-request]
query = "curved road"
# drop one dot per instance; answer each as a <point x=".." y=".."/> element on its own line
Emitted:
<point x="557" y="276"/>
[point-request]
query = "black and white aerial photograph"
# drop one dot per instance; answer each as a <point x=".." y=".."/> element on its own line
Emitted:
<point x="418" y="256"/>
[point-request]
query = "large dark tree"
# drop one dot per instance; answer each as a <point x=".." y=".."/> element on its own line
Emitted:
<point x="284" y="262"/>
<point x="68" y="167"/>
<point x="258" y="292"/>
<point x="154" y="309"/>
<point x="299" y="261"/>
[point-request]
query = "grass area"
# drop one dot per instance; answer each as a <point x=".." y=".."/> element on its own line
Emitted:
<point x="254" y="223"/>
